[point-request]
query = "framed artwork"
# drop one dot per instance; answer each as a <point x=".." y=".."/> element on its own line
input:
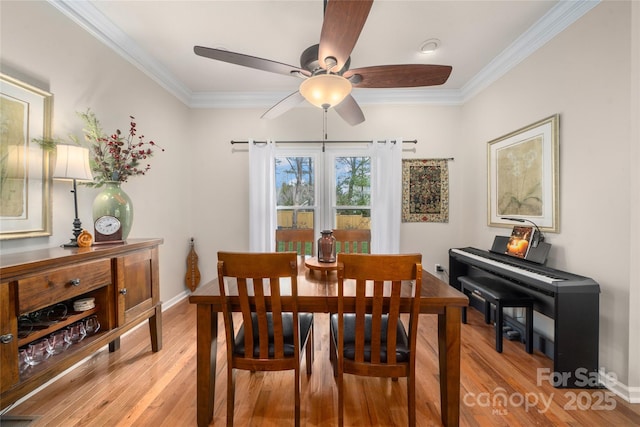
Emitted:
<point x="25" y="114"/>
<point x="523" y="176"/>
<point x="425" y="190"/>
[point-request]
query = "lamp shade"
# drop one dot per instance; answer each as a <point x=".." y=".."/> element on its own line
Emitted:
<point x="72" y="162"/>
<point x="325" y="90"/>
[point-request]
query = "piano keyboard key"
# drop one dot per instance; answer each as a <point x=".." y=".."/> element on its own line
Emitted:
<point x="510" y="267"/>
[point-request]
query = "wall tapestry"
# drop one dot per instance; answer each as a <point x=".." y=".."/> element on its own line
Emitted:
<point x="425" y="190"/>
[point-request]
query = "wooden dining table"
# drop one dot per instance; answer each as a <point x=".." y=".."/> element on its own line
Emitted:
<point x="317" y="293"/>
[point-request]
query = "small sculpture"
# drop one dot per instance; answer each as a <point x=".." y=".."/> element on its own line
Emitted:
<point x="85" y="239"/>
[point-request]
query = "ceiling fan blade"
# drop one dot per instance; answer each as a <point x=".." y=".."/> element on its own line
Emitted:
<point x="350" y="111"/>
<point x="343" y="22"/>
<point x="283" y="106"/>
<point x="390" y="76"/>
<point x="249" y="61"/>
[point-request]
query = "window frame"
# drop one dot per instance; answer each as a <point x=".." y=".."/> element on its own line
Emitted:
<point x="325" y="206"/>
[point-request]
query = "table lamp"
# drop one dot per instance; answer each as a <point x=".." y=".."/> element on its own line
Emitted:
<point x="72" y="163"/>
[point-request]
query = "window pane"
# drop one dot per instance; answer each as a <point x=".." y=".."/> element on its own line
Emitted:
<point x="295" y="218"/>
<point x="295" y="189"/>
<point x="353" y="192"/>
<point x="295" y="181"/>
<point x="353" y="181"/>
<point x="353" y="218"/>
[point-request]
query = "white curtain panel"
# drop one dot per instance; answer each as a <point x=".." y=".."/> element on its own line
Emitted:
<point x="262" y="199"/>
<point x="386" y="197"/>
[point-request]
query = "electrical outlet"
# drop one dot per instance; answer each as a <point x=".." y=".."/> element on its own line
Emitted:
<point x="439" y="268"/>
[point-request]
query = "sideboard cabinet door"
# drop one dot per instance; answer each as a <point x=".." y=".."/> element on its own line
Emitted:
<point x="8" y="336"/>
<point x="138" y="291"/>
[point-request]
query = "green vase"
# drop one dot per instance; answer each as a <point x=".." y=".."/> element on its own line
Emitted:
<point x="112" y="200"/>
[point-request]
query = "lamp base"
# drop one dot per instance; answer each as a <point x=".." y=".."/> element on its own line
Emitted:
<point x="72" y="244"/>
<point x="77" y="229"/>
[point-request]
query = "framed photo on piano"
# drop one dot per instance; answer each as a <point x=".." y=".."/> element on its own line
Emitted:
<point x="523" y="176"/>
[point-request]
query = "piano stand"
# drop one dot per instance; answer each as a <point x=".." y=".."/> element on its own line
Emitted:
<point x="493" y="291"/>
<point x="571" y="301"/>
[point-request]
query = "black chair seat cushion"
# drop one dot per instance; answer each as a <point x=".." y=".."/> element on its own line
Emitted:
<point x="305" y="319"/>
<point x="402" y="344"/>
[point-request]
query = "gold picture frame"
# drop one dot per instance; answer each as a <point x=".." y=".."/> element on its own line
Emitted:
<point x="523" y="176"/>
<point x="25" y="114"/>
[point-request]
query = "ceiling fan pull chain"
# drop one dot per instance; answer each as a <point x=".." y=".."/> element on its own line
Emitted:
<point x="324" y="127"/>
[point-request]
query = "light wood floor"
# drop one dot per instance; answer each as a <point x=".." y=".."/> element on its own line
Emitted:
<point x="134" y="386"/>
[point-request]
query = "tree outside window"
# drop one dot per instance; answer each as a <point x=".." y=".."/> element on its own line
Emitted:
<point x="295" y="190"/>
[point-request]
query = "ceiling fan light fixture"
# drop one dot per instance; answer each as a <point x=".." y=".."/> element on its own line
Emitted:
<point x="429" y="46"/>
<point x="325" y="90"/>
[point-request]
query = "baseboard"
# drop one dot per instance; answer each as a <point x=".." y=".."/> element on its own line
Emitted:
<point x="18" y="420"/>
<point x="629" y="394"/>
<point x="545" y="346"/>
<point x="173" y="301"/>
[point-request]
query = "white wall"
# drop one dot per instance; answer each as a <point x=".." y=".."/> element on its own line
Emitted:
<point x="198" y="187"/>
<point x="634" y="205"/>
<point x="584" y="74"/>
<point x="44" y="48"/>
<point x="223" y="169"/>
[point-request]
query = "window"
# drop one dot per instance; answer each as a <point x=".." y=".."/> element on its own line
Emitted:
<point x="341" y="200"/>
<point x="345" y="186"/>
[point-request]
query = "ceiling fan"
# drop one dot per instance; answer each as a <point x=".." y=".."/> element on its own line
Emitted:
<point x="325" y="66"/>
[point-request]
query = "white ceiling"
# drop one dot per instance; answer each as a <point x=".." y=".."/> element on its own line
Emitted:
<point x="481" y="40"/>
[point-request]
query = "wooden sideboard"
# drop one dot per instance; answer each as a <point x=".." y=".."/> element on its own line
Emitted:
<point x="123" y="280"/>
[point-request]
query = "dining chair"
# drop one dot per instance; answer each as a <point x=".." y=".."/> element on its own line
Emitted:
<point x="353" y="241"/>
<point x="275" y="338"/>
<point x="300" y="240"/>
<point x="370" y="338"/>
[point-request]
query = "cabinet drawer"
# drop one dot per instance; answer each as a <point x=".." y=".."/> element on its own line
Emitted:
<point x="60" y="284"/>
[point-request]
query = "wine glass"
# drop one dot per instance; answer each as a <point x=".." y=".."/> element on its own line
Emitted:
<point x="59" y="341"/>
<point x="77" y="332"/>
<point x="38" y="351"/>
<point x="91" y="325"/>
<point x="23" y="360"/>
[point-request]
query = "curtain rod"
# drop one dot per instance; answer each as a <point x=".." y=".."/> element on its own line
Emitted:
<point x="413" y="141"/>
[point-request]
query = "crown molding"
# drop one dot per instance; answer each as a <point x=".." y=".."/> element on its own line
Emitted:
<point x="87" y="16"/>
<point x="432" y="96"/>
<point x="562" y="15"/>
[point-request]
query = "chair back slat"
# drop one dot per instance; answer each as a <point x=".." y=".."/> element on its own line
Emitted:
<point x="393" y="319"/>
<point x="276" y="309"/>
<point x="376" y="321"/>
<point x="352" y="241"/>
<point x="259" y="309"/>
<point x="246" y="310"/>
<point x="300" y="240"/>
<point x="360" y="320"/>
